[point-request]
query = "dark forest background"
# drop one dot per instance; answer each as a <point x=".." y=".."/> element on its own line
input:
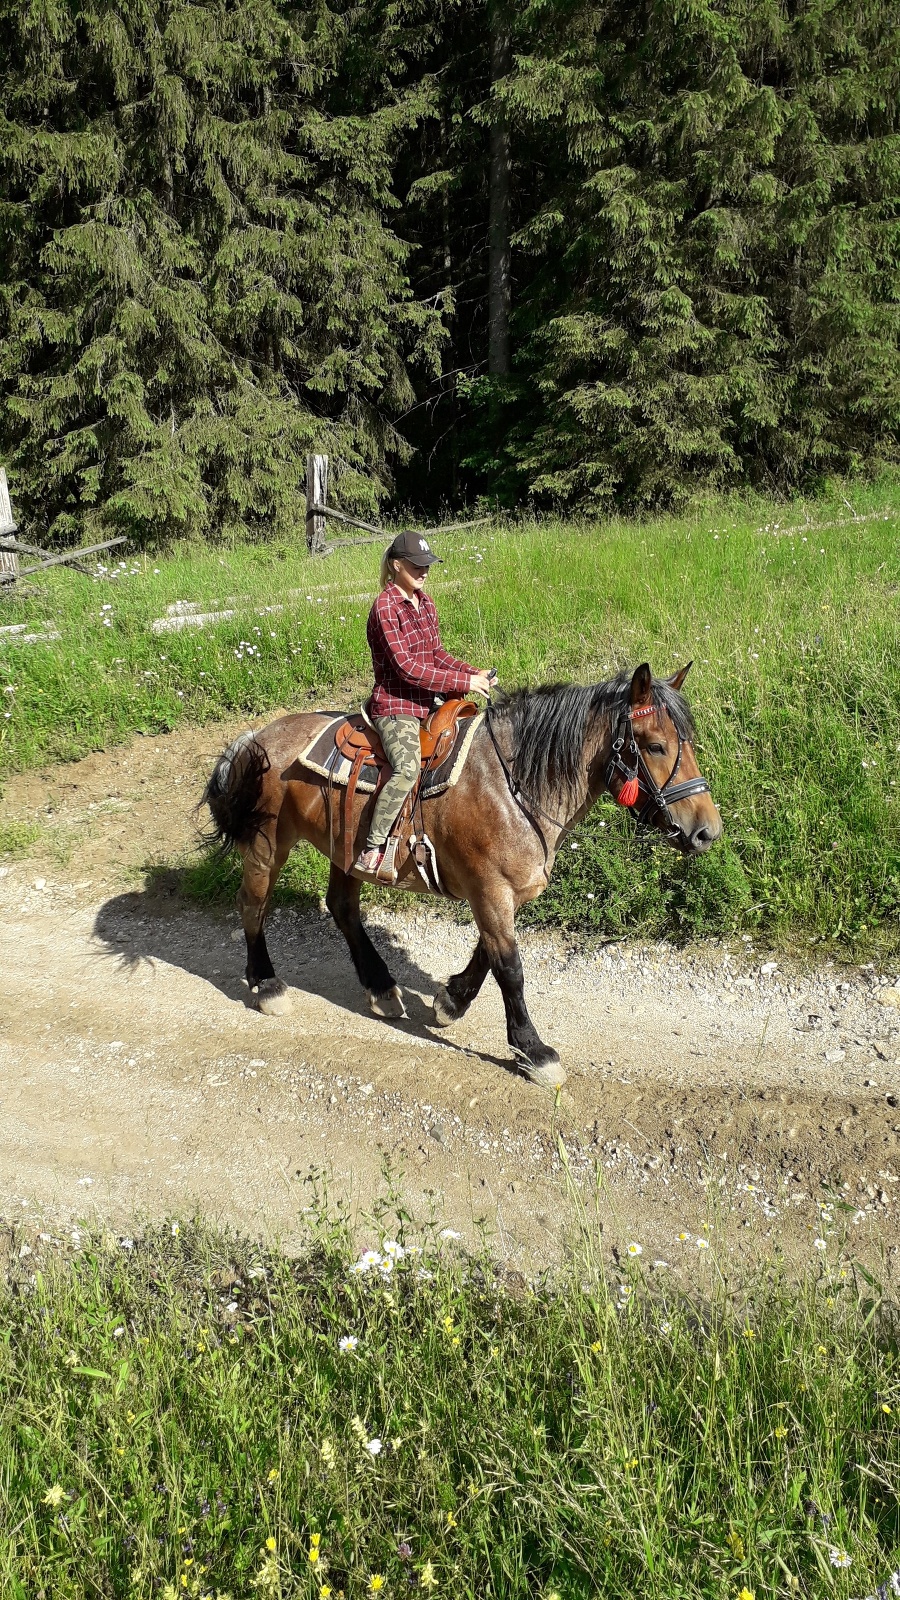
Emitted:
<point x="566" y="255"/>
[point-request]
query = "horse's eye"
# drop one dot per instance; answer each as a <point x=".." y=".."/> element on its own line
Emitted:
<point x="656" y="749"/>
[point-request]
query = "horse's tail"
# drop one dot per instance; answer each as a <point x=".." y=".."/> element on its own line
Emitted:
<point x="233" y="794"/>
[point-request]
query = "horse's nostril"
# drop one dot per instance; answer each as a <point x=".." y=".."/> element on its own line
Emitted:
<point x="703" y="837"/>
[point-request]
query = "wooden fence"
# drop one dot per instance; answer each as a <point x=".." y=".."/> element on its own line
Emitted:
<point x="318" y="511"/>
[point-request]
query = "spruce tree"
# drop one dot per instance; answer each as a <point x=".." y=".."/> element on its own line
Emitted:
<point x="198" y="280"/>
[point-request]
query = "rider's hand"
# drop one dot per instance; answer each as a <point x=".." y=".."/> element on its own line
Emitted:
<point x="480" y="683"/>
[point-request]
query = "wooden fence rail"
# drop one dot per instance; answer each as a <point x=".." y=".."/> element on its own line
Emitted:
<point x="318" y="511"/>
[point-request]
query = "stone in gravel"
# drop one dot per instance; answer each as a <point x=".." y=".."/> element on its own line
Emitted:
<point x="890" y="997"/>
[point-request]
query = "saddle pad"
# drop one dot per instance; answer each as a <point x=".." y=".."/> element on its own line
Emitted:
<point x="321" y="755"/>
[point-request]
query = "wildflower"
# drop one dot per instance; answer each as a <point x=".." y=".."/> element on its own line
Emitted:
<point x="448" y="1324"/>
<point x="819" y="1244"/>
<point x="749" y="1333"/>
<point x="55" y="1496"/>
<point x="839" y="1558"/>
<point x="702" y="1244"/>
<point x="781" y="1431"/>
<point x="328" y="1455"/>
<point x="597" y="1346"/>
<point x="665" y="1327"/>
<point x="393" y="1250"/>
<point x="374" y="1447"/>
<point x="683" y="1237"/>
<point x="735" y="1544"/>
<point x="451" y="1520"/>
<point x="176" y="1229"/>
<point x="272" y="1475"/>
<point x="746" y="1594"/>
<point x="404" y="1550"/>
<point x="631" y="1464"/>
<point x="886" y="1408"/>
<point x="270" y="1543"/>
<point x="376" y="1583"/>
<point x="450" y="1233"/>
<point x="325" y="1592"/>
<point x="315" y="1540"/>
<point x="635" y="1249"/>
<point x="427" y="1579"/>
<point x="349" y="1342"/>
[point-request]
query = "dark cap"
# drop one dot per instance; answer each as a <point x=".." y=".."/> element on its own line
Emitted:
<point x="414" y="547"/>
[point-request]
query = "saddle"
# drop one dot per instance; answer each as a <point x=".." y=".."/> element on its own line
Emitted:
<point x="357" y="741"/>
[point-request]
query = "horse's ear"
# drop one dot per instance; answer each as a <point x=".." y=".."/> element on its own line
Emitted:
<point x="677" y="678"/>
<point x="641" y="685"/>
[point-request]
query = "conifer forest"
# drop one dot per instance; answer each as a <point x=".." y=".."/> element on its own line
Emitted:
<point x="572" y="254"/>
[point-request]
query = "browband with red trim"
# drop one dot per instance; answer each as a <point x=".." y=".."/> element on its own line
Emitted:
<point x="643" y="711"/>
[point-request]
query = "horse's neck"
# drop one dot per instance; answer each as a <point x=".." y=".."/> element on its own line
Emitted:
<point x="597" y="751"/>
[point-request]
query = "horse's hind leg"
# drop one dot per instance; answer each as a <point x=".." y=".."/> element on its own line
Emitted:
<point x="262" y="864"/>
<point x="342" y="900"/>
<point x="454" y="997"/>
<point x="538" y="1061"/>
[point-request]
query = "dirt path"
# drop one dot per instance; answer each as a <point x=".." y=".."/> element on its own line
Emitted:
<point x="135" y="1082"/>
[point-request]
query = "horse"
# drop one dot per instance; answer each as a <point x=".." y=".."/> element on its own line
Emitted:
<point x="537" y="763"/>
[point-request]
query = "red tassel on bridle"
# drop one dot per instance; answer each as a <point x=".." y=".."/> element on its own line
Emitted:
<point x="629" y="793"/>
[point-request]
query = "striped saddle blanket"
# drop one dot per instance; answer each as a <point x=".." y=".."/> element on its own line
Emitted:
<point x="336" y="750"/>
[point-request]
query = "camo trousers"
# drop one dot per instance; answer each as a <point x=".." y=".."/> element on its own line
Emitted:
<point x="400" y="737"/>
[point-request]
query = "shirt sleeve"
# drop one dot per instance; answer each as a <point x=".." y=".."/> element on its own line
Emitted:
<point x="442" y="674"/>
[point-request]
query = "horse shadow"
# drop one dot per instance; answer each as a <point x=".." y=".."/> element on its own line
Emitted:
<point x="159" y="922"/>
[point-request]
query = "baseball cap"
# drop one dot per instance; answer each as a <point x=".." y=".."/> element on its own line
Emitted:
<point x="414" y="547"/>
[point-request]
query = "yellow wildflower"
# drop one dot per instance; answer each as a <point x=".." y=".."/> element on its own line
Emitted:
<point x="55" y="1496"/>
<point x="270" y="1543"/>
<point x="735" y="1544"/>
<point x="746" y="1594"/>
<point x="448" y="1324"/>
<point x="597" y="1346"/>
<point x="749" y="1333"/>
<point x="886" y="1408"/>
<point x="325" y="1592"/>
<point x="781" y="1431"/>
<point x="272" y="1475"/>
<point x="427" y="1579"/>
<point x="630" y="1465"/>
<point x="376" y="1583"/>
<point x="451" y="1520"/>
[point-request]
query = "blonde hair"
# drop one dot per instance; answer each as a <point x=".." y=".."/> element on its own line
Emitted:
<point x="386" y="575"/>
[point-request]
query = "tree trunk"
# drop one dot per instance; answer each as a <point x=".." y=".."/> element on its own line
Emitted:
<point x="498" y="221"/>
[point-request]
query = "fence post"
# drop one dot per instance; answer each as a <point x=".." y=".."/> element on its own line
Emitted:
<point x="316" y="495"/>
<point x="9" y="561"/>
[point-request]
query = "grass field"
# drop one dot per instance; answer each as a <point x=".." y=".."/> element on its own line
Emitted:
<point x="790" y="615"/>
<point x="186" y="1414"/>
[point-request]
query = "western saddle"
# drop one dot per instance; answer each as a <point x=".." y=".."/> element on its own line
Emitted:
<point x="358" y="742"/>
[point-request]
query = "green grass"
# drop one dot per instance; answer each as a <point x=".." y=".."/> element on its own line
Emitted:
<point x="795" y="638"/>
<point x="177" y="1417"/>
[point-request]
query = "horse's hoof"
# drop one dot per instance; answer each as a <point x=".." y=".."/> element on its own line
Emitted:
<point x="444" y="1008"/>
<point x="547" y="1073"/>
<point x="388" y="1005"/>
<point x="271" y="998"/>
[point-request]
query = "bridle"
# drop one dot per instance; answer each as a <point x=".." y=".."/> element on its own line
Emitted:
<point x="640" y="793"/>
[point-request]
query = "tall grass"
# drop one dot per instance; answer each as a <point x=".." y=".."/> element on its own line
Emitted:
<point x="178" y="1416"/>
<point x="794" y="634"/>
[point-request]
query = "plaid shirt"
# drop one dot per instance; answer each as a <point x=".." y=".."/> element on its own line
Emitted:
<point x="411" y="665"/>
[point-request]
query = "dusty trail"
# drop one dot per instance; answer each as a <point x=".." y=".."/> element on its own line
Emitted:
<point x="705" y="1086"/>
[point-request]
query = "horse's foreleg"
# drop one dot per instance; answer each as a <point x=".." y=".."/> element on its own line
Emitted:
<point x="342" y="900"/>
<point x="538" y="1061"/>
<point x="454" y="997"/>
<point x="254" y="897"/>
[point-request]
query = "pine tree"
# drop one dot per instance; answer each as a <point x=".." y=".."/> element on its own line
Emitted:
<point x="198" y="281"/>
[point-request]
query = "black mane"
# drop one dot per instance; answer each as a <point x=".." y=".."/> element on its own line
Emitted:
<point x="550" y="726"/>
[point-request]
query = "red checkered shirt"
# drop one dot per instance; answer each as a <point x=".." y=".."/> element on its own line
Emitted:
<point x="411" y="665"/>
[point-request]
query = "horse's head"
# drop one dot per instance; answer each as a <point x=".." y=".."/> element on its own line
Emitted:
<point x="652" y="769"/>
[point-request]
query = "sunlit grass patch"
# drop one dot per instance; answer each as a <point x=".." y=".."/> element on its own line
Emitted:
<point x="189" y="1410"/>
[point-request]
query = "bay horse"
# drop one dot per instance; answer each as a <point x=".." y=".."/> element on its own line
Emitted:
<point x="537" y="763"/>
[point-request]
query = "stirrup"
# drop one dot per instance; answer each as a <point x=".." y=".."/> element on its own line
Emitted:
<point x="386" y="871"/>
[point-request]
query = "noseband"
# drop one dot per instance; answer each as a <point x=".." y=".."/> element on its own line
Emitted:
<point x="651" y="801"/>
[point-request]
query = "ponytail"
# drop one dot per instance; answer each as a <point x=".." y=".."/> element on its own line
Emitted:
<point x="386" y="575"/>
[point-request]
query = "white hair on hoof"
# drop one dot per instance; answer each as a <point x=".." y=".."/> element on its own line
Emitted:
<point x="388" y="1005"/>
<point x="549" y="1075"/>
<point x="445" y="1011"/>
<point x="271" y="998"/>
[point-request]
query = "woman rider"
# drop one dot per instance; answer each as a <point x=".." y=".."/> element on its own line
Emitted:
<point x="411" y="666"/>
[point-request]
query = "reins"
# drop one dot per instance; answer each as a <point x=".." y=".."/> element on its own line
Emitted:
<point x="640" y="793"/>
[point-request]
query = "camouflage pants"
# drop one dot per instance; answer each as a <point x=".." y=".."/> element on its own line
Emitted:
<point x="400" y="737"/>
